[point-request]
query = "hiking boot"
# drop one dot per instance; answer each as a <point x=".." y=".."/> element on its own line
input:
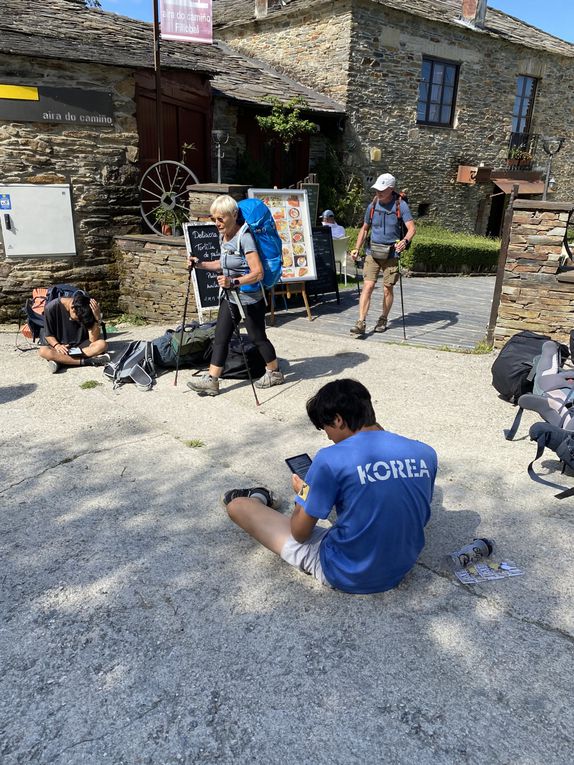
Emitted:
<point x="54" y="367"/>
<point x="206" y="384"/>
<point x="259" y="492"/>
<point x="381" y="325"/>
<point x="100" y="361"/>
<point x="359" y="328"/>
<point x="270" y="378"/>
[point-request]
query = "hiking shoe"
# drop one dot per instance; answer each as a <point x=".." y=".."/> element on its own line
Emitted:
<point x="359" y="328"/>
<point x="259" y="492"/>
<point x="270" y="378"/>
<point x="206" y="384"/>
<point x="54" y="367"/>
<point x="381" y="325"/>
<point x="101" y="360"/>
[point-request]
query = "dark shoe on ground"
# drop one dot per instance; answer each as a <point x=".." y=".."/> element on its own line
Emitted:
<point x="259" y="492"/>
<point x="381" y="325"/>
<point x="101" y="360"/>
<point x="54" y="367"/>
<point x="270" y="379"/>
<point x="359" y="328"/>
<point x="206" y="385"/>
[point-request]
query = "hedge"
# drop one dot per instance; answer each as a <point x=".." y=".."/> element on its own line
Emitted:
<point x="438" y="250"/>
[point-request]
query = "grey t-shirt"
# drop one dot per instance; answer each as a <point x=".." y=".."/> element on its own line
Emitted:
<point x="234" y="264"/>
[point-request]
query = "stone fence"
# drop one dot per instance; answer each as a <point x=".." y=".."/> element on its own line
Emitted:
<point x="537" y="292"/>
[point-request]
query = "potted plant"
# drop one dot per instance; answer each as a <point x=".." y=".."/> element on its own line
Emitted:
<point x="518" y="155"/>
<point x="169" y="220"/>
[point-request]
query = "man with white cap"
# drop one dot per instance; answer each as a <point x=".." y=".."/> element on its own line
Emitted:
<point x="328" y="219"/>
<point x="384" y="219"/>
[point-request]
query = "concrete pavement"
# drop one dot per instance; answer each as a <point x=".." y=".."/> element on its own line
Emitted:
<point x="140" y="626"/>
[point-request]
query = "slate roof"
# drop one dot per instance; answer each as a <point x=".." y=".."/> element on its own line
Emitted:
<point x="247" y="79"/>
<point x="67" y="30"/>
<point x="497" y="24"/>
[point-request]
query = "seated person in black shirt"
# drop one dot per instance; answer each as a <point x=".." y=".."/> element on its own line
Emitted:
<point x="72" y="333"/>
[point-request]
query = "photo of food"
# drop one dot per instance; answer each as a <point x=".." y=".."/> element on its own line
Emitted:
<point x="294" y="212"/>
<point x="295" y="224"/>
<point x="278" y="213"/>
<point x="284" y="236"/>
<point x="293" y="201"/>
<point x="281" y="226"/>
<point x="303" y="272"/>
<point x="287" y="261"/>
<point x="288" y="273"/>
<point x="301" y="261"/>
<point x="299" y="249"/>
<point x="297" y="236"/>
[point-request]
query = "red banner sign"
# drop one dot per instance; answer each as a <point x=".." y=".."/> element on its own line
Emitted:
<point x="188" y="20"/>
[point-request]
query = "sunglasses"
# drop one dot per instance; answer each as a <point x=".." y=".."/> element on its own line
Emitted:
<point x="218" y="220"/>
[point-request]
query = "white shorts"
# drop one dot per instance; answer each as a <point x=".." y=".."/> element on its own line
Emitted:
<point x="305" y="555"/>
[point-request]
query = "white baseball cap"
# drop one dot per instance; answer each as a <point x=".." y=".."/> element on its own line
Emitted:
<point x="328" y="214"/>
<point x="384" y="181"/>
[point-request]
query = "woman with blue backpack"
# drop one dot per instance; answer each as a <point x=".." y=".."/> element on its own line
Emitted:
<point x="241" y="280"/>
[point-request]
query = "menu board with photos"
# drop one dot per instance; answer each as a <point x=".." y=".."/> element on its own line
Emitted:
<point x="291" y="215"/>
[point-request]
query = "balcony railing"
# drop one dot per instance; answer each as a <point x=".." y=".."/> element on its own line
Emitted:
<point x="521" y="151"/>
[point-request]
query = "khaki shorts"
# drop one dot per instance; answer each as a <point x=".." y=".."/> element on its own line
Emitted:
<point x="306" y="555"/>
<point x="389" y="267"/>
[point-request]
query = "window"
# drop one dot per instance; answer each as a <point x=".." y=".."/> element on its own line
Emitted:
<point x="523" y="104"/>
<point x="437" y="92"/>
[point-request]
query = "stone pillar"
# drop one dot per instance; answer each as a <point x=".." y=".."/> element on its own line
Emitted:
<point x="536" y="293"/>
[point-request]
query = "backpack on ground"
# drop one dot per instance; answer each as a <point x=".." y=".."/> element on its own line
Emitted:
<point x="562" y="443"/>
<point x="259" y="222"/>
<point x="552" y="394"/>
<point x="34" y="307"/>
<point x="513" y="369"/>
<point x="134" y="365"/>
<point x="194" y="344"/>
<point x="235" y="368"/>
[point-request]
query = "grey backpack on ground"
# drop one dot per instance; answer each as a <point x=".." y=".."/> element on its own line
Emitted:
<point x="134" y="365"/>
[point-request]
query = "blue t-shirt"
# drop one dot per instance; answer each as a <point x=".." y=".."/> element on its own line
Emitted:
<point x="385" y="226"/>
<point x="381" y="485"/>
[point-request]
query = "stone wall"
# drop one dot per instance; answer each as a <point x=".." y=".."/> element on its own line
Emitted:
<point x="153" y="278"/>
<point x="369" y="56"/>
<point x="535" y="293"/>
<point x="100" y="164"/>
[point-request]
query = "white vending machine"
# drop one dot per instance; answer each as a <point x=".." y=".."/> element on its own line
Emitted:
<point x="37" y="220"/>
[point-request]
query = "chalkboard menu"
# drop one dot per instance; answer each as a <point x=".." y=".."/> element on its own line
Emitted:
<point x="202" y="241"/>
<point x="312" y="190"/>
<point x="326" y="280"/>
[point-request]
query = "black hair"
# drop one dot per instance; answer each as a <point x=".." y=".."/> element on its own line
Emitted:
<point x="347" y="398"/>
<point x="81" y="305"/>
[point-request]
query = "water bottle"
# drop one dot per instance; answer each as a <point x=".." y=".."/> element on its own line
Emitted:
<point x="475" y="551"/>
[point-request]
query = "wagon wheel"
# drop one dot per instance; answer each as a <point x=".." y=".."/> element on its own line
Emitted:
<point x="163" y="194"/>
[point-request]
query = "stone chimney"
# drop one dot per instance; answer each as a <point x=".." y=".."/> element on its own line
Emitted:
<point x="260" y="9"/>
<point x="474" y="12"/>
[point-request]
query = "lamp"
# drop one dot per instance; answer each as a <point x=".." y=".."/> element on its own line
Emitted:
<point x="551" y="146"/>
<point x="221" y="138"/>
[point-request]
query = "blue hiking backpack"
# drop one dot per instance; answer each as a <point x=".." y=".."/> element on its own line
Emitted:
<point x="259" y="222"/>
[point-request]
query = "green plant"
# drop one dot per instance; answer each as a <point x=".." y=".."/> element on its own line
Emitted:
<point x="87" y="384"/>
<point x="130" y="318"/>
<point x="339" y="190"/>
<point x="284" y="123"/>
<point x="164" y="216"/>
<point x="194" y="443"/>
<point x="519" y="153"/>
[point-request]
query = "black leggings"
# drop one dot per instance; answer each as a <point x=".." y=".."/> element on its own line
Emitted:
<point x="254" y="324"/>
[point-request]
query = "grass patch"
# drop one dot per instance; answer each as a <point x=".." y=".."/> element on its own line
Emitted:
<point x="129" y="318"/>
<point x="88" y="384"/>
<point x="194" y="443"/>
<point x="479" y="349"/>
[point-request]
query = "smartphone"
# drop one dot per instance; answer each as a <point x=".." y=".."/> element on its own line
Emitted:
<point x="75" y="351"/>
<point x="299" y="464"/>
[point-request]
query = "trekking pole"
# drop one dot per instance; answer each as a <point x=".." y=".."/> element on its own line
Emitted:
<point x="238" y="333"/>
<point x="402" y="299"/>
<point x="190" y="269"/>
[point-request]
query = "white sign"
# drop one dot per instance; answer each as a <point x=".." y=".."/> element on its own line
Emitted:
<point x="187" y="20"/>
<point x="290" y="211"/>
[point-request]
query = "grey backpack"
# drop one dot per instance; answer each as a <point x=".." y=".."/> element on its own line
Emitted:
<point x="134" y="365"/>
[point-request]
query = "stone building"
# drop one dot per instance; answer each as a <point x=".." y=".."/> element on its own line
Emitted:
<point x="77" y="107"/>
<point x="435" y="91"/>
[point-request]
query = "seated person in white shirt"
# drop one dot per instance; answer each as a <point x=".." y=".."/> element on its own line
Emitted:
<point x="328" y="219"/>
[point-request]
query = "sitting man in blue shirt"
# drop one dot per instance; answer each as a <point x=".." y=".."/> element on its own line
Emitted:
<point x="379" y="483"/>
